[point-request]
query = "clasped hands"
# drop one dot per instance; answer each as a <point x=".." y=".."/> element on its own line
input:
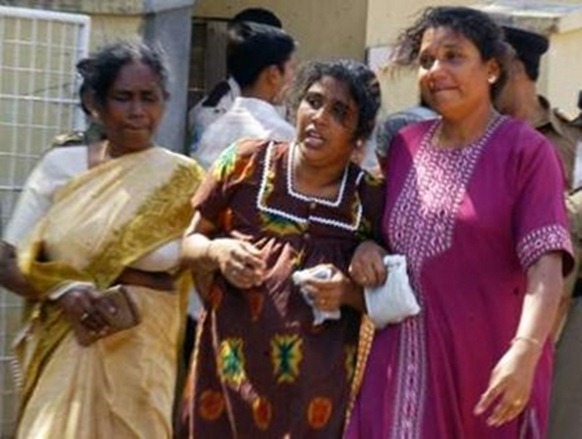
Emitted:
<point x="79" y="301"/>
<point x="78" y="304"/>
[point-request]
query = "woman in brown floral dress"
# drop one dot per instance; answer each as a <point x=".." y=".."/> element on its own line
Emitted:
<point x="262" y="367"/>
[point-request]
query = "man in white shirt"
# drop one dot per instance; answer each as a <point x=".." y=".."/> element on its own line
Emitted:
<point x="260" y="59"/>
<point x="223" y="94"/>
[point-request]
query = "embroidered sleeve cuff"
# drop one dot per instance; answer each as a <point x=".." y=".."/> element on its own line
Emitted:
<point x="544" y="240"/>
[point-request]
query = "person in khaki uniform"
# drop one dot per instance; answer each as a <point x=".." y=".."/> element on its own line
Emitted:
<point x="519" y="98"/>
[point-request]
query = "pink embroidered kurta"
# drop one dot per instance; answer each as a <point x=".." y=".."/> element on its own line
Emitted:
<point x="470" y="222"/>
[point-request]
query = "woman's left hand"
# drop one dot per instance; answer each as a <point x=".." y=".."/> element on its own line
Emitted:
<point x="510" y="384"/>
<point x="331" y="293"/>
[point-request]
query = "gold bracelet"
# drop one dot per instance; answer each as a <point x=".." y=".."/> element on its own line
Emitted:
<point x="532" y="341"/>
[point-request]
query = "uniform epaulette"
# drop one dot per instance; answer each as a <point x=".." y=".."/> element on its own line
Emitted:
<point x="72" y="138"/>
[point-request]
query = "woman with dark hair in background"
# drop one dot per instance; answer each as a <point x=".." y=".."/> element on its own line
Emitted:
<point x="263" y="366"/>
<point x="114" y="216"/>
<point x="474" y="201"/>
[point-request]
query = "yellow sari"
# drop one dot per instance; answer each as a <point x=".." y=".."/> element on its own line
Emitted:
<point x="107" y="219"/>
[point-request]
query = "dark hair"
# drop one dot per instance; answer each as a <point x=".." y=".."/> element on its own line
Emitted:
<point x="83" y="68"/>
<point x="529" y="48"/>
<point x="474" y="25"/>
<point x="361" y="82"/>
<point x="253" y="47"/>
<point x="257" y="15"/>
<point x="100" y="71"/>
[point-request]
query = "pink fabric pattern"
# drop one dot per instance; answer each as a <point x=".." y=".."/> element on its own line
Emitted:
<point x="428" y="203"/>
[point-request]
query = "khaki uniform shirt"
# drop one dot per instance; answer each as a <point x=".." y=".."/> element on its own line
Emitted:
<point x="558" y="128"/>
<point x="93" y="133"/>
<point x="565" y="420"/>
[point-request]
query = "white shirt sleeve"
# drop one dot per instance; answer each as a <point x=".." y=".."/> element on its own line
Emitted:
<point x="164" y="258"/>
<point x="54" y="169"/>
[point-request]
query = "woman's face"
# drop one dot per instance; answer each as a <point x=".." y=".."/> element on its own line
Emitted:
<point x="133" y="108"/>
<point x="454" y="80"/>
<point x="327" y="119"/>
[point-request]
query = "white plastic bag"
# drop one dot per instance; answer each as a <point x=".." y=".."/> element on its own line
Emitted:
<point x="299" y="277"/>
<point x="394" y="301"/>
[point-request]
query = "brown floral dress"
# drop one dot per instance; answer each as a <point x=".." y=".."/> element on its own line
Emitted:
<point x="261" y="368"/>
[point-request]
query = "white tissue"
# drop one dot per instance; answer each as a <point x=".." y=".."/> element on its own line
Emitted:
<point x="393" y="301"/>
<point x="301" y="276"/>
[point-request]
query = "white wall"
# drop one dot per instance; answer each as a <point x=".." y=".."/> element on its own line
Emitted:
<point x="563" y="64"/>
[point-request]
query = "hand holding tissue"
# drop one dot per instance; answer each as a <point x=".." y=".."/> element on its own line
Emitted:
<point x="393" y="301"/>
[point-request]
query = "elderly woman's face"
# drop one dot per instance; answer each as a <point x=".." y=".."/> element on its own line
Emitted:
<point x="133" y="108"/>
<point x="454" y="80"/>
<point x="327" y="119"/>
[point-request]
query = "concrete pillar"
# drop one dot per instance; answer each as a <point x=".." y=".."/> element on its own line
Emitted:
<point x="172" y="29"/>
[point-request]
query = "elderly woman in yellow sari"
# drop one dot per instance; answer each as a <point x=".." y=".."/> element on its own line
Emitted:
<point x="114" y="214"/>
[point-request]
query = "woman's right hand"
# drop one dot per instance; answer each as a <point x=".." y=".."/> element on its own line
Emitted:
<point x="77" y="305"/>
<point x="510" y="384"/>
<point x="240" y="262"/>
<point x="367" y="266"/>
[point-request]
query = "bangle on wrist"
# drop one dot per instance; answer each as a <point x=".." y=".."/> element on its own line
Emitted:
<point x="529" y="340"/>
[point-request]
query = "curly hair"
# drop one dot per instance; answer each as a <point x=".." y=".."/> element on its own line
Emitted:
<point x="100" y="71"/>
<point x="474" y="25"/>
<point x="361" y="82"/>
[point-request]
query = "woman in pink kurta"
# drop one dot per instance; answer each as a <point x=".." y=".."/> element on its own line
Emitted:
<point x="482" y="225"/>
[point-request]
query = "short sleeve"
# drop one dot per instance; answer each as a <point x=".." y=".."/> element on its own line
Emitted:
<point x="234" y="165"/>
<point x="540" y="221"/>
<point x="54" y="170"/>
